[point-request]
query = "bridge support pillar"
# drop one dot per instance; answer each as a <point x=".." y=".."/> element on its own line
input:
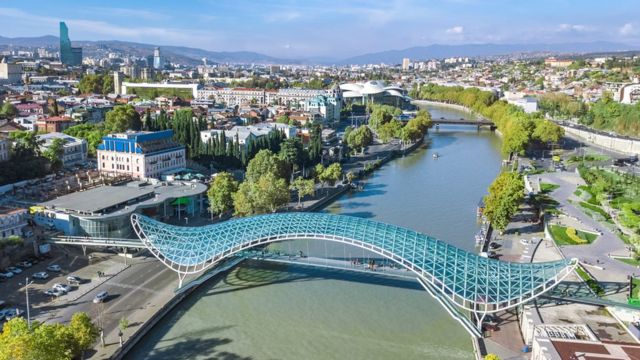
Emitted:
<point x="181" y="279"/>
<point x="84" y="250"/>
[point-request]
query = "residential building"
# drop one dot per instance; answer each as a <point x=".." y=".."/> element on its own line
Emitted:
<point x="553" y="62"/>
<point x="54" y="123"/>
<point x="5" y="148"/>
<point x="69" y="55"/>
<point x="141" y="154"/>
<point x="126" y="86"/>
<point x="406" y="63"/>
<point x="12" y="221"/>
<point x="630" y="94"/>
<point x="117" y="82"/>
<point x="10" y="73"/>
<point x="248" y="133"/>
<point x="7" y="127"/>
<point x="75" y="150"/>
<point x="105" y="211"/>
<point x="327" y="107"/>
<point x="27" y="109"/>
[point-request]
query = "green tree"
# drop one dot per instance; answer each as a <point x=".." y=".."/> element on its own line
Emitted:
<point x="93" y="133"/>
<point x="54" y="153"/>
<point x="303" y="188"/>
<point x="283" y="119"/>
<point x="332" y="173"/>
<point x="84" y="331"/>
<point x="107" y="84"/>
<point x="26" y="144"/>
<point x="360" y="138"/>
<point x="505" y="195"/>
<point x="271" y="192"/>
<point x="291" y="153"/>
<point x="90" y="84"/>
<point x="350" y="177"/>
<point x="221" y="192"/>
<point x="548" y="132"/>
<point x="122" y="118"/>
<point x="264" y="162"/>
<point x="8" y="110"/>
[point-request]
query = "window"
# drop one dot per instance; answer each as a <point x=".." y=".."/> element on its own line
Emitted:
<point x="111" y="166"/>
<point x="103" y="164"/>
<point x="138" y="168"/>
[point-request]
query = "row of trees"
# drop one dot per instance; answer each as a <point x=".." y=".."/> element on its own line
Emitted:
<point x="266" y="187"/>
<point x="44" y="341"/>
<point x="505" y="196"/>
<point x="607" y="114"/>
<point x="96" y="84"/>
<point x="519" y="129"/>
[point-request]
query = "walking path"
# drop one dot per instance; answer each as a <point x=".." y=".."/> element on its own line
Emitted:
<point x="608" y="243"/>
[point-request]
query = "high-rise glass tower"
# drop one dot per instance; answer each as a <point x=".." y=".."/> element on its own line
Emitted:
<point x="158" y="61"/>
<point x="68" y="55"/>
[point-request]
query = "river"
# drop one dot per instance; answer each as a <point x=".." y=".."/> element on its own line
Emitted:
<point x="264" y="310"/>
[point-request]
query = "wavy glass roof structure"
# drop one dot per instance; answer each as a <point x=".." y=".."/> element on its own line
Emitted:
<point x="470" y="281"/>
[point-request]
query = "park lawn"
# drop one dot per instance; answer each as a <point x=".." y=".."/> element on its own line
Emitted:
<point x="592" y="199"/>
<point x="547" y="187"/>
<point x="628" y="261"/>
<point x="635" y="290"/>
<point x="596" y="209"/>
<point x="560" y="236"/>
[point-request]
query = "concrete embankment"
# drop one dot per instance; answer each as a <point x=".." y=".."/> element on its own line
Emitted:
<point x="612" y="143"/>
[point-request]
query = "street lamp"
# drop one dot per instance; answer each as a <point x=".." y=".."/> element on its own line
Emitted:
<point x="26" y="291"/>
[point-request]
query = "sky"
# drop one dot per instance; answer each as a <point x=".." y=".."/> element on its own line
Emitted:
<point x="326" y="29"/>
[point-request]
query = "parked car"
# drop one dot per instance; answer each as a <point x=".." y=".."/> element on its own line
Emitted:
<point x="54" y="268"/>
<point x="25" y="264"/>
<point x="40" y="275"/>
<point x="72" y="279"/>
<point x="100" y="297"/>
<point x="54" y="292"/>
<point x="6" y="275"/>
<point x="14" y="270"/>
<point x="11" y="313"/>
<point x="62" y="287"/>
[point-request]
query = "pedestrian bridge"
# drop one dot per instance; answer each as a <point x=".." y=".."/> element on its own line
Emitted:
<point x="471" y="282"/>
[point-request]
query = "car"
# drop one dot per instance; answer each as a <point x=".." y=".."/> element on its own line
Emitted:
<point x="54" y="292"/>
<point x="62" y="287"/>
<point x="72" y="279"/>
<point x="6" y="275"/>
<point x="14" y="270"/>
<point x="54" y="268"/>
<point x="11" y="313"/>
<point x="25" y="264"/>
<point x="100" y="297"/>
<point x="40" y="275"/>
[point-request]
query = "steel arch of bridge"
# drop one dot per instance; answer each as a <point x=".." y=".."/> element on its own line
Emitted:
<point x="471" y="282"/>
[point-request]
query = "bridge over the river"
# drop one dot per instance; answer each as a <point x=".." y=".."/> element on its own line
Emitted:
<point x="463" y="121"/>
<point x="477" y="284"/>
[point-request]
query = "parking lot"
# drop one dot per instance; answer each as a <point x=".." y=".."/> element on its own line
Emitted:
<point x="70" y="261"/>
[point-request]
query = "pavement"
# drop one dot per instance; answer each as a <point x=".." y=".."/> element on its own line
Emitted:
<point x="608" y="243"/>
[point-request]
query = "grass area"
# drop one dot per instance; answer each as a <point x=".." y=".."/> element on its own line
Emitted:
<point x="629" y="261"/>
<point x="152" y="93"/>
<point x="591" y="282"/>
<point x="596" y="209"/>
<point x="635" y="288"/>
<point x="592" y="195"/>
<point x="587" y="158"/>
<point x="563" y="236"/>
<point x="577" y="193"/>
<point x="547" y="187"/>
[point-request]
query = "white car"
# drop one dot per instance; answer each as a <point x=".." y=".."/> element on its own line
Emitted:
<point x="25" y="264"/>
<point x="54" y="292"/>
<point x="72" y="279"/>
<point x="100" y="297"/>
<point x="62" y="287"/>
<point x="54" y="268"/>
<point x="40" y="275"/>
<point x="6" y="275"/>
<point x="14" y="270"/>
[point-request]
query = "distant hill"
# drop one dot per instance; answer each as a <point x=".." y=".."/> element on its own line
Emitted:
<point x="190" y="55"/>
<point x="173" y="53"/>
<point x="479" y="50"/>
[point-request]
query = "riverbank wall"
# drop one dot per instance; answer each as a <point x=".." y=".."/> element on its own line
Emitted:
<point x="444" y="104"/>
<point x="612" y="143"/>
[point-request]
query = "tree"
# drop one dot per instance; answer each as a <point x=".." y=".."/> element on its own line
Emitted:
<point x="264" y="162"/>
<point x="332" y="173"/>
<point x="283" y="119"/>
<point x="303" y="188"/>
<point x="350" y="177"/>
<point x="505" y="195"/>
<point x="122" y="118"/>
<point x="242" y="200"/>
<point x="221" y="192"/>
<point x="26" y="144"/>
<point x="107" y="84"/>
<point x="54" y="153"/>
<point x="389" y="130"/>
<point x="291" y="152"/>
<point x="91" y="84"/>
<point x="84" y="331"/>
<point x="8" y="110"/>
<point x="270" y="193"/>
<point x="360" y="138"/>
<point x="548" y="132"/>
<point x="93" y="133"/>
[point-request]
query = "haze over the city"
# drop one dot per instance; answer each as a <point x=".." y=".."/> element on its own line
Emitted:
<point x="329" y="29"/>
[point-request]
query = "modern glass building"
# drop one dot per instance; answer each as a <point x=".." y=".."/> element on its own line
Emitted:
<point x="69" y="55"/>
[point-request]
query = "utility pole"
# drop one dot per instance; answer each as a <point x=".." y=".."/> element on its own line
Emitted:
<point x="26" y="291"/>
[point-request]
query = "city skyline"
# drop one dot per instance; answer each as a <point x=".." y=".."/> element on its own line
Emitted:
<point x="314" y="29"/>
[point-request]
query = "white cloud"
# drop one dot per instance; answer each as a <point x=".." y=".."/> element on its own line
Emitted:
<point x="574" y="27"/>
<point x="627" y="29"/>
<point x="455" y="30"/>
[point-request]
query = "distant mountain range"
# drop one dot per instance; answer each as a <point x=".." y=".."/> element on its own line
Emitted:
<point x="191" y="55"/>
<point x="483" y="50"/>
